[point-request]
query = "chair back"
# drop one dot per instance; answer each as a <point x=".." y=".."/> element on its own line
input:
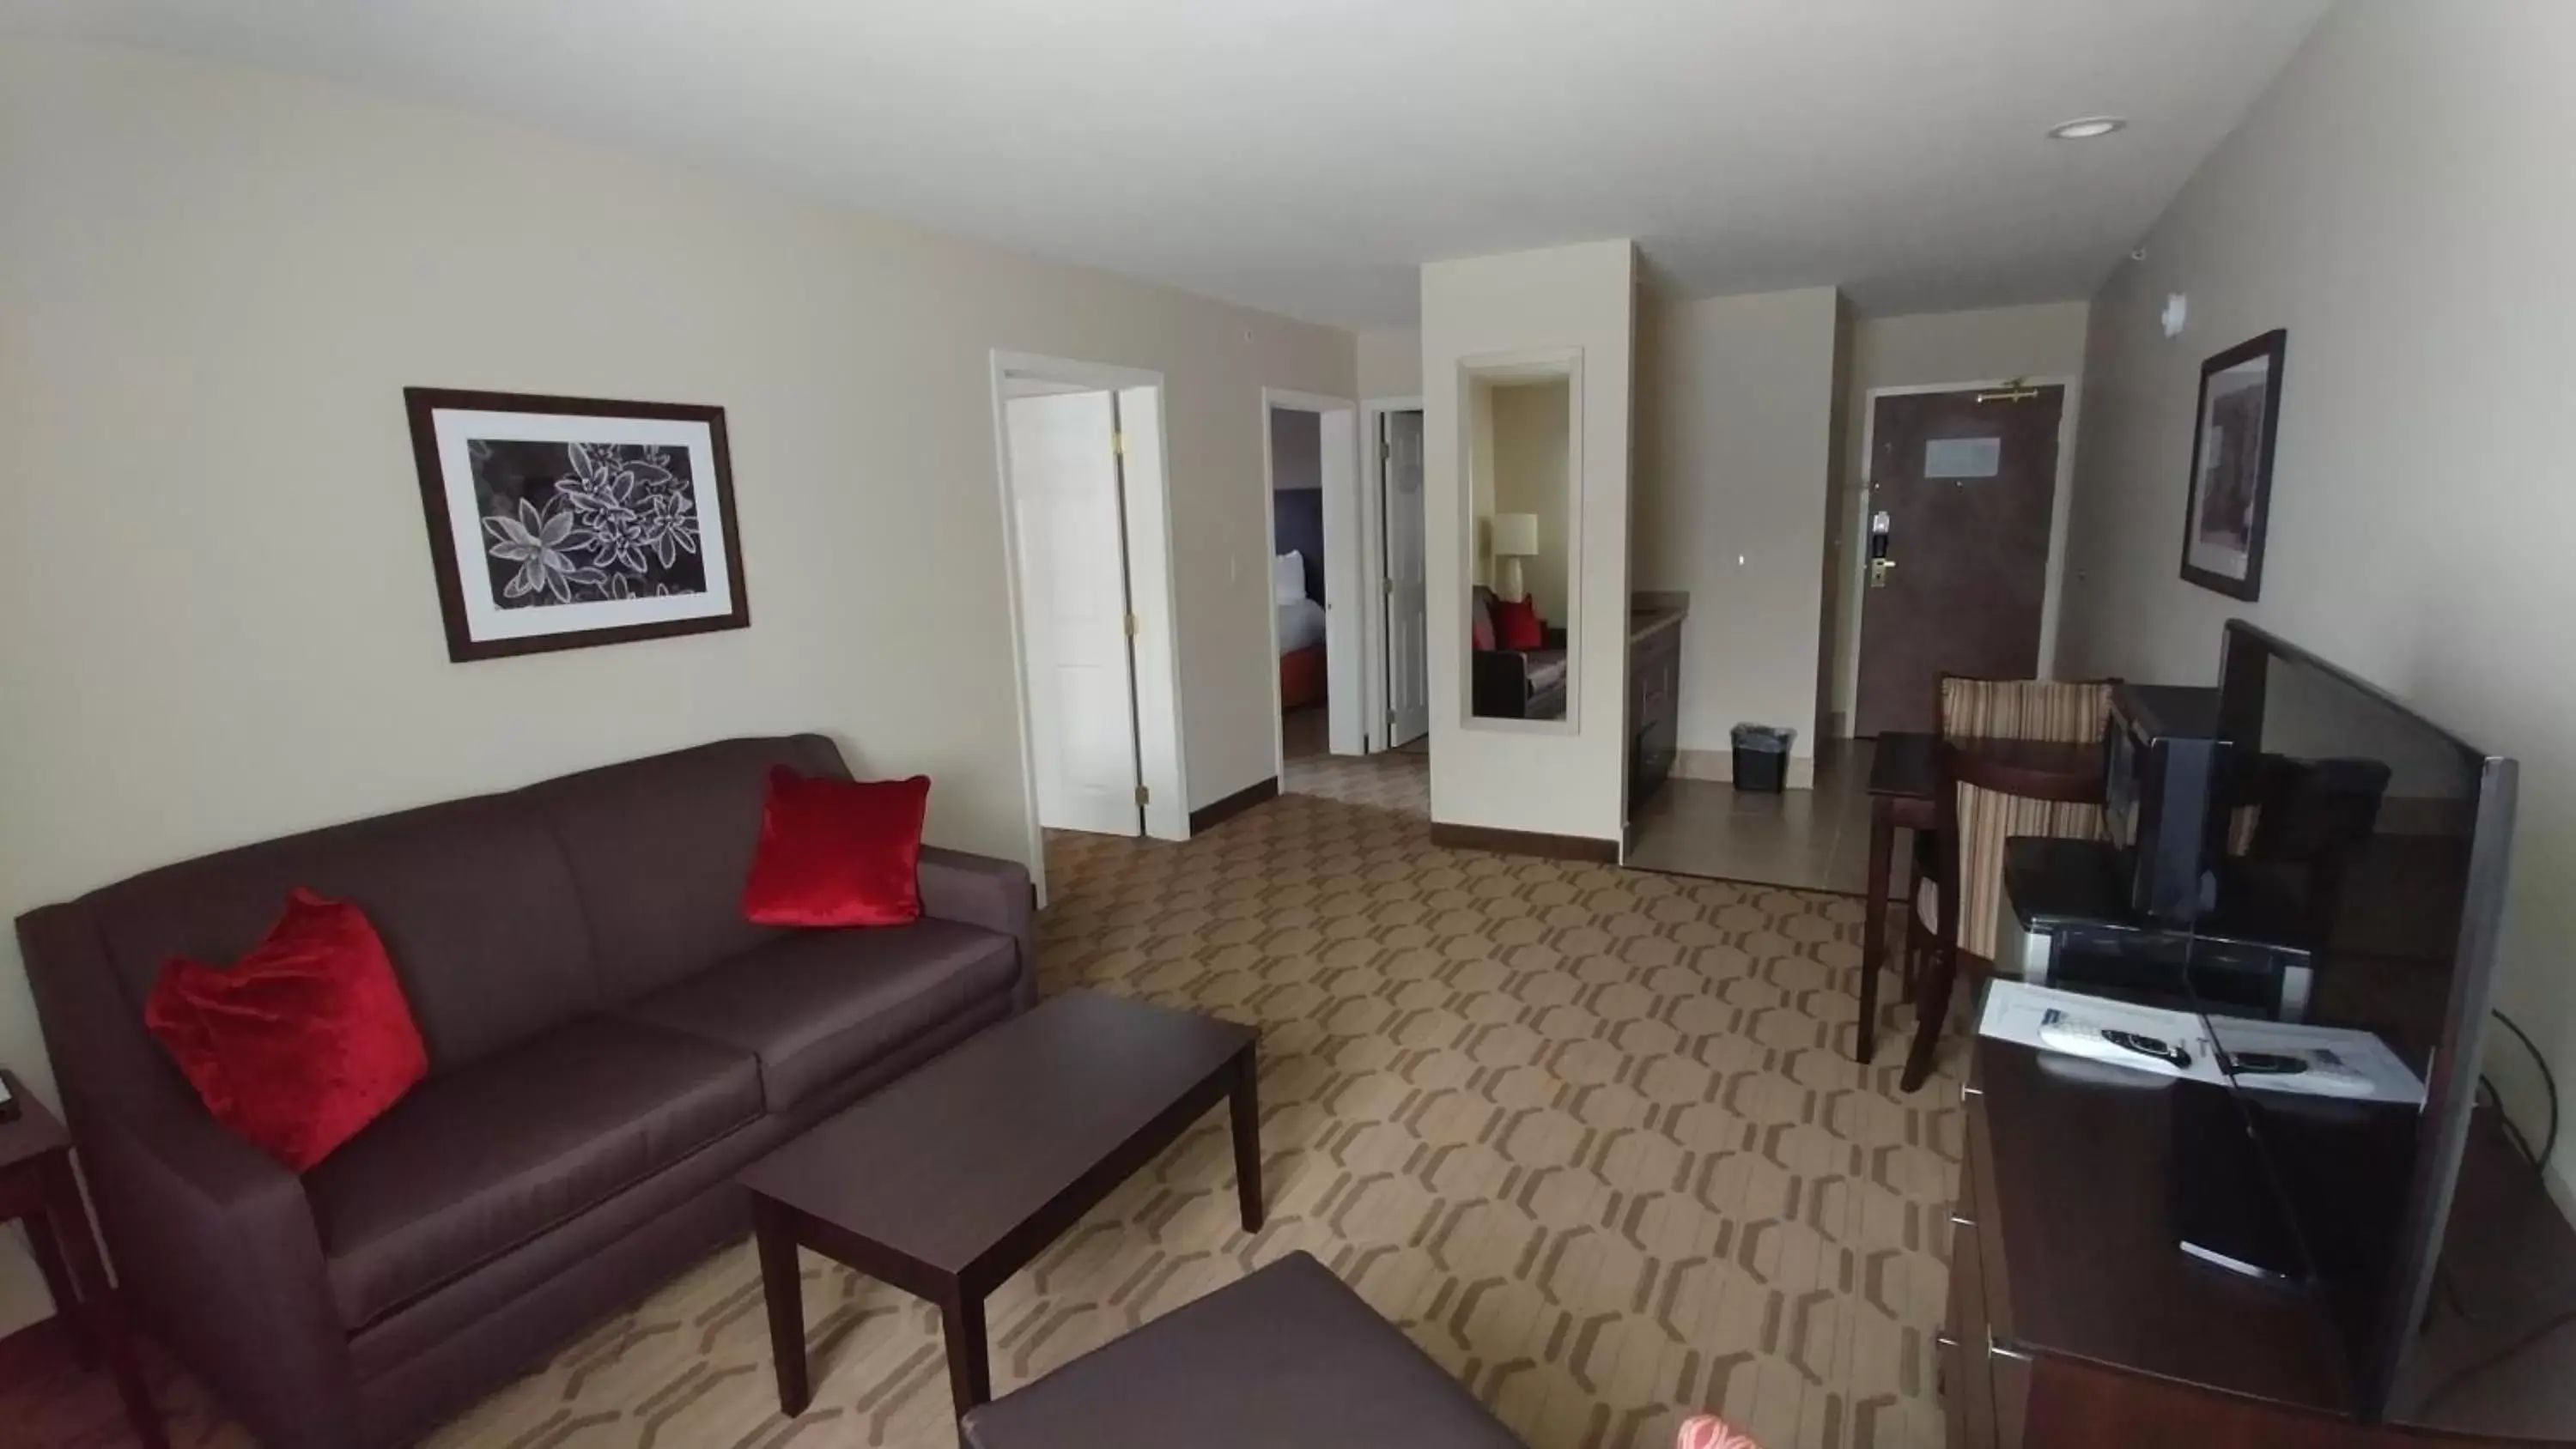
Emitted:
<point x="1983" y="803"/>
<point x="2069" y="711"/>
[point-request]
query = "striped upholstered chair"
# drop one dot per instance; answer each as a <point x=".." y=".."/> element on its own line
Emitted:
<point x="1961" y="866"/>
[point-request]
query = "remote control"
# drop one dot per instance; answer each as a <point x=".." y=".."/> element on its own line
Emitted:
<point x="2060" y="1032"/>
<point x="2318" y="1072"/>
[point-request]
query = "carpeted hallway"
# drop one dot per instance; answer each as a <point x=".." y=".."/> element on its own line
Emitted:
<point x="1592" y="1137"/>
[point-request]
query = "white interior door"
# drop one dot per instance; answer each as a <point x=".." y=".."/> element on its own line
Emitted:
<point x="1073" y="601"/>
<point x="1408" y="623"/>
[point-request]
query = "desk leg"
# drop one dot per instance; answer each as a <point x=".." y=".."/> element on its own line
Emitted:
<point x="782" y="1284"/>
<point x="1245" y="1099"/>
<point x="89" y="1280"/>
<point x="1873" y="926"/>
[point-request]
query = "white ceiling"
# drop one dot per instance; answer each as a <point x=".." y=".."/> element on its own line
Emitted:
<point x="1306" y="155"/>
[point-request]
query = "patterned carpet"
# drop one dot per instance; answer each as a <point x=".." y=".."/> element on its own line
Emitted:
<point x="1591" y="1137"/>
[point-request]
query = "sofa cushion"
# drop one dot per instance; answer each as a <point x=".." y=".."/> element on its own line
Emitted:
<point x="1288" y="1358"/>
<point x="817" y="1006"/>
<point x="471" y="898"/>
<point x="659" y="849"/>
<point x="838" y="852"/>
<point x="481" y="1159"/>
<point x="1546" y="669"/>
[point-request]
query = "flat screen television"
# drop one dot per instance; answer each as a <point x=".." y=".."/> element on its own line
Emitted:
<point x="2388" y="838"/>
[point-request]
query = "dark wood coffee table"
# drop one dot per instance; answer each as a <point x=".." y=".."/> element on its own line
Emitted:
<point x="954" y="1178"/>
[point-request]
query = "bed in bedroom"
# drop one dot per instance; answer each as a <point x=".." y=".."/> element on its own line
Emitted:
<point x="1301" y="632"/>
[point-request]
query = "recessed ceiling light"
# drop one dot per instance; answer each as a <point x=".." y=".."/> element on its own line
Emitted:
<point x="2086" y="128"/>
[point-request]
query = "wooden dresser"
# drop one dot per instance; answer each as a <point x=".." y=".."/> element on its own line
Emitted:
<point x="2073" y="1320"/>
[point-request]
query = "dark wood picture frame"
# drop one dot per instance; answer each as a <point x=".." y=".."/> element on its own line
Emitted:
<point x="2270" y="349"/>
<point x="423" y="404"/>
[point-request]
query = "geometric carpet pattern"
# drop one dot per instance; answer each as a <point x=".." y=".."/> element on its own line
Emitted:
<point x="1592" y="1138"/>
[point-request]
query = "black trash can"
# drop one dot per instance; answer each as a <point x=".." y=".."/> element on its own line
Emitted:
<point x="1762" y="757"/>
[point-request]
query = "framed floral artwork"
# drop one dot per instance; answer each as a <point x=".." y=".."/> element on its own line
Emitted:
<point x="564" y="522"/>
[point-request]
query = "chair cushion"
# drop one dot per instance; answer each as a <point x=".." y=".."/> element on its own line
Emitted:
<point x="1545" y="669"/>
<point x="816" y="1006"/>
<point x="479" y="1160"/>
<point x="1285" y="1359"/>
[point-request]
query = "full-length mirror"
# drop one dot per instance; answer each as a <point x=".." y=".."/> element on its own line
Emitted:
<point x="1524" y="473"/>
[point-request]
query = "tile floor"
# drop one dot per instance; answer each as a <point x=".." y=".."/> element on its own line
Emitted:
<point x="1805" y="839"/>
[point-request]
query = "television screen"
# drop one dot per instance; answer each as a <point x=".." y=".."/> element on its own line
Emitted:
<point x="2378" y="840"/>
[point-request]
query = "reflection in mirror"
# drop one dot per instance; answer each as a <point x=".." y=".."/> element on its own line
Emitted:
<point x="1520" y="517"/>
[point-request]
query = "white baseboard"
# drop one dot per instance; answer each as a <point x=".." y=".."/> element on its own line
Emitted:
<point x="1719" y="765"/>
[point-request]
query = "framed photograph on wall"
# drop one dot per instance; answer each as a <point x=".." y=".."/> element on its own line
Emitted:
<point x="2231" y="467"/>
<point x="564" y="522"/>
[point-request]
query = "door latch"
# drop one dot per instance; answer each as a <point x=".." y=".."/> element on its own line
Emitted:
<point x="1880" y="565"/>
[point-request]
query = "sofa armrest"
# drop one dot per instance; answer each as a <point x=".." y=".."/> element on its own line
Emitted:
<point x="980" y="890"/>
<point x="212" y="1239"/>
<point x="1498" y="683"/>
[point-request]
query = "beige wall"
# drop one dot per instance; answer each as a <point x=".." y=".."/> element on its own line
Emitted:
<point x="1734" y="462"/>
<point x="1530" y="472"/>
<point x="2042" y="340"/>
<point x="2399" y="201"/>
<point x="1389" y="362"/>
<point x="216" y="283"/>
<point x="1561" y="779"/>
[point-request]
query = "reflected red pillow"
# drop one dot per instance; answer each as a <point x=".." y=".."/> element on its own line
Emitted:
<point x="838" y="852"/>
<point x="1517" y="625"/>
<point x="299" y="1043"/>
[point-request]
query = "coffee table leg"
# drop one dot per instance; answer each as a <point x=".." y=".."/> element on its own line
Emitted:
<point x="970" y="1367"/>
<point x="1246" y="1100"/>
<point x="782" y="1285"/>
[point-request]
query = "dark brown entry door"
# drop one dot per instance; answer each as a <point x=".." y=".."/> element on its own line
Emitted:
<point x="1961" y="485"/>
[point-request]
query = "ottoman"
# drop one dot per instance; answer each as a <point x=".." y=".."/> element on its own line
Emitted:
<point x="1287" y="1358"/>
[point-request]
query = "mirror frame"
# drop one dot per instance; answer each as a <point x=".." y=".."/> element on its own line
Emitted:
<point x="1521" y="365"/>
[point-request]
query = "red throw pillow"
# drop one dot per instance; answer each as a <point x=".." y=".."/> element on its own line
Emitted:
<point x="301" y="1042"/>
<point x="1516" y="624"/>
<point x="838" y="852"/>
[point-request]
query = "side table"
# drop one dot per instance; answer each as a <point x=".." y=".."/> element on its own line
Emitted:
<point x="37" y="1186"/>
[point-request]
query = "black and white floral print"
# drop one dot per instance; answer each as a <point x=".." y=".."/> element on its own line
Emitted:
<point x="581" y="523"/>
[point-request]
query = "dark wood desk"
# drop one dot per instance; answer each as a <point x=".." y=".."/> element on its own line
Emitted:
<point x="2075" y="1319"/>
<point x="1904" y="773"/>
<point x="37" y="1185"/>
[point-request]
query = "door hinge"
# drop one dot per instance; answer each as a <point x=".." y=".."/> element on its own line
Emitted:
<point x="1390" y="587"/>
<point x="1143" y="795"/>
<point x="1390" y="724"/>
<point x="1118" y="443"/>
<point x="1131" y="626"/>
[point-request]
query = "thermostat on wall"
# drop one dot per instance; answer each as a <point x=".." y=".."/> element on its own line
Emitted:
<point x="2177" y="308"/>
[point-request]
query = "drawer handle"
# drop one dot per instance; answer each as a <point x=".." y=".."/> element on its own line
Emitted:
<point x="1997" y="1350"/>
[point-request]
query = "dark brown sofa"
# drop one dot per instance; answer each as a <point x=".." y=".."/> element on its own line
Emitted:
<point x="609" y="1041"/>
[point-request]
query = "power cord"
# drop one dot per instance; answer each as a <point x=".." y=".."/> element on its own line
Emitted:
<point x="2548" y="1081"/>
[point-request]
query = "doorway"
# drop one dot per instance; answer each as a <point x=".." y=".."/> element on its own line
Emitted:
<point x="1310" y="476"/>
<point x="1958" y="518"/>
<point x="1086" y="537"/>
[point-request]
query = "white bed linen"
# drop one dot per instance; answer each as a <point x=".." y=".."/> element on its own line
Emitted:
<point x="1300" y="624"/>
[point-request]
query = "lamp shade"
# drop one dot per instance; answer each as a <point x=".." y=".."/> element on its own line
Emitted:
<point x="1516" y="534"/>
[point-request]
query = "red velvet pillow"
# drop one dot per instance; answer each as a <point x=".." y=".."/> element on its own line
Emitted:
<point x="1516" y="624"/>
<point x="838" y="852"/>
<point x="301" y="1042"/>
